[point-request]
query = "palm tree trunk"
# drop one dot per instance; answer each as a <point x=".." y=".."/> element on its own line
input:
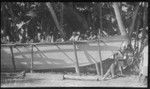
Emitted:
<point x="131" y="29"/>
<point x="61" y="15"/>
<point x="119" y="19"/>
<point x="55" y="18"/>
<point x="144" y="26"/>
<point x="145" y="18"/>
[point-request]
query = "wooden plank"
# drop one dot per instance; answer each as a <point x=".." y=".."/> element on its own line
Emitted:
<point x="13" y="60"/>
<point x="76" y="58"/>
<point x="76" y="77"/>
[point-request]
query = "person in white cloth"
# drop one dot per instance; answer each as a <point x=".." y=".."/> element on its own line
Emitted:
<point x="144" y="65"/>
<point x="74" y="37"/>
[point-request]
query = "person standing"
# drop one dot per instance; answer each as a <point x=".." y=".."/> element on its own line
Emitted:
<point x="144" y="66"/>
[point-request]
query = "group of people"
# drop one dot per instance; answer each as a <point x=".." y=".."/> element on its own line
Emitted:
<point x="4" y="39"/>
<point x="39" y="38"/>
<point x="42" y="37"/>
<point x="77" y="36"/>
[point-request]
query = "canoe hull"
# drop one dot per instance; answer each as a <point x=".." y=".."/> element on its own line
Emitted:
<point x="57" y="56"/>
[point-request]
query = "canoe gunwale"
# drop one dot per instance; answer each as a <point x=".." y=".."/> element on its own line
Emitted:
<point x="106" y="40"/>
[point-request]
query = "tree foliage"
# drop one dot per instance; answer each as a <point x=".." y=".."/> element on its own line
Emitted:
<point x="78" y="16"/>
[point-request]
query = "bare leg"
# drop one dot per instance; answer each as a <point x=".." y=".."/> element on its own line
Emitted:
<point x="120" y="68"/>
<point x="109" y="71"/>
<point x="145" y="80"/>
<point x="112" y="70"/>
<point x="140" y="75"/>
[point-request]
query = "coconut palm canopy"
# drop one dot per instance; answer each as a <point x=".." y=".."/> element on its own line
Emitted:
<point x="34" y="17"/>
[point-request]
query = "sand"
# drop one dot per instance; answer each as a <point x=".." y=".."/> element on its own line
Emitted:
<point x="56" y="80"/>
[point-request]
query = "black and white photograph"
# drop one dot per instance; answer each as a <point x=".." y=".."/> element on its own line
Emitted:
<point x="74" y="44"/>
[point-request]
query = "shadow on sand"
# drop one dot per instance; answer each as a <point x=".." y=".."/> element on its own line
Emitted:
<point x="28" y="80"/>
<point x="89" y="69"/>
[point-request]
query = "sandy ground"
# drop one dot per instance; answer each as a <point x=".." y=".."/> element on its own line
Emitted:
<point x="56" y="80"/>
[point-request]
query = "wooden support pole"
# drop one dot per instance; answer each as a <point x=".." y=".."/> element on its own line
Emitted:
<point x="31" y="70"/>
<point x="96" y="64"/>
<point x="97" y="69"/>
<point x="13" y="60"/>
<point x="76" y="58"/>
<point x="101" y="66"/>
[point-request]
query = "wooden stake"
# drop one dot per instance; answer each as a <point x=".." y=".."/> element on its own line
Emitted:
<point x="96" y="66"/>
<point x="101" y="66"/>
<point x="13" y="60"/>
<point x="97" y="69"/>
<point x="76" y="58"/>
<point x="31" y="70"/>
